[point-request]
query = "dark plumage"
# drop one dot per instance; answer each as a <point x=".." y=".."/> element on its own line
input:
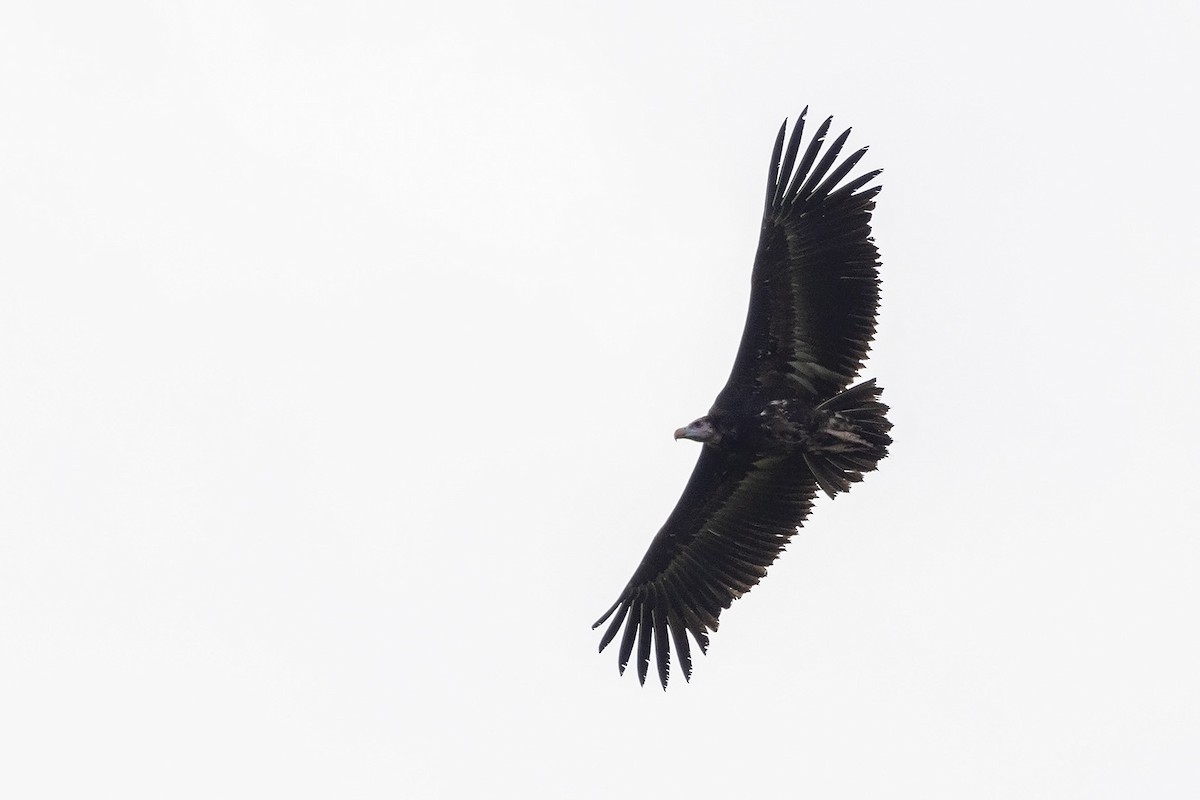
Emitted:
<point x="785" y="423"/>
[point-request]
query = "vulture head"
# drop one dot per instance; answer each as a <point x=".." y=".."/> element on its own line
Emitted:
<point x="701" y="430"/>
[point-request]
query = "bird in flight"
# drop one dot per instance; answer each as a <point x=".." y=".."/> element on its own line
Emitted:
<point x="787" y="423"/>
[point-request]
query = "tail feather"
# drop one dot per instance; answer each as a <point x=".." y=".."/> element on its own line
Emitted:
<point x="850" y="437"/>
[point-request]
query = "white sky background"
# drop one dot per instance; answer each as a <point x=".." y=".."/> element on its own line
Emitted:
<point x="342" y="345"/>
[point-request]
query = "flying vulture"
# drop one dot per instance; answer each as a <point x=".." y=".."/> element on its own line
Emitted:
<point x="787" y="422"/>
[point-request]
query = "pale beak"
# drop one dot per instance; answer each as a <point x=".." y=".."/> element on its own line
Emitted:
<point x="681" y="433"/>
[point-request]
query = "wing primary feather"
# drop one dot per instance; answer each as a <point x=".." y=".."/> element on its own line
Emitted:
<point x="683" y="652"/>
<point x="857" y="184"/>
<point x="662" y="645"/>
<point x="810" y="155"/>
<point x="840" y="172"/>
<point x="615" y="626"/>
<point x="687" y="604"/>
<point x="703" y="608"/>
<point x="784" y="173"/>
<point x="645" y="634"/>
<point x="823" y="166"/>
<point x="607" y="614"/>
<point x="773" y="175"/>
<point x="631" y="629"/>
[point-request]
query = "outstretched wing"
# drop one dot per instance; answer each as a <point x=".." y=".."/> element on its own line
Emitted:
<point x="733" y="520"/>
<point x="815" y="286"/>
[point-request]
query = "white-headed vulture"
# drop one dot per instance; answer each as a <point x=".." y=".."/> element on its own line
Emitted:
<point x="787" y="422"/>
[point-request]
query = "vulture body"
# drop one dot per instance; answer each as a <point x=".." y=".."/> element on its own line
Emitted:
<point x="787" y="423"/>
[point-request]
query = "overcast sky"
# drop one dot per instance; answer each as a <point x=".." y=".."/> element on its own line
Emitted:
<point x="341" y="346"/>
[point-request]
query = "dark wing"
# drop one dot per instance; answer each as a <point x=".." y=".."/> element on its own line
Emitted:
<point x="733" y="520"/>
<point x="815" y="286"/>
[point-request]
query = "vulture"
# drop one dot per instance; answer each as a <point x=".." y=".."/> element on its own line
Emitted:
<point x="788" y="421"/>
